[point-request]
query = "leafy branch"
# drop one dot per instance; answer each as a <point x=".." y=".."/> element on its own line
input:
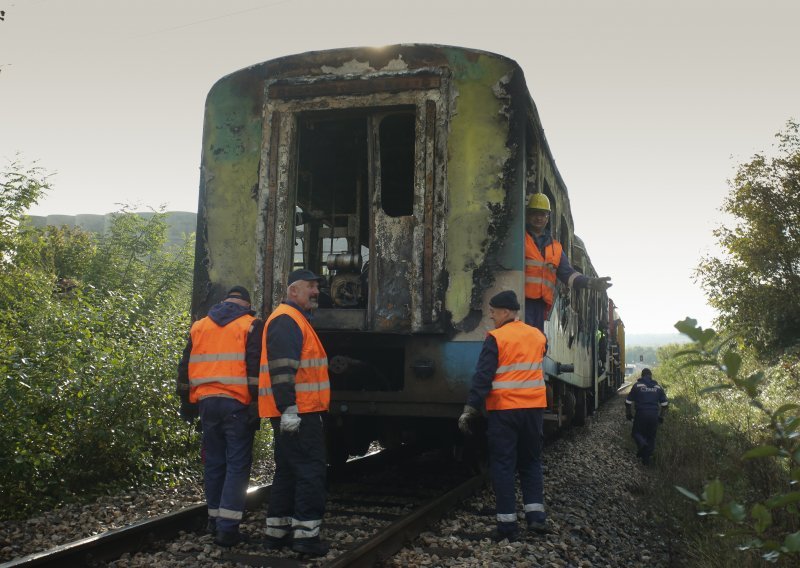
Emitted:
<point x="761" y="528"/>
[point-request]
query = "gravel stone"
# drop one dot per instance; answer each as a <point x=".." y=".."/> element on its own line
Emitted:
<point x="595" y="492"/>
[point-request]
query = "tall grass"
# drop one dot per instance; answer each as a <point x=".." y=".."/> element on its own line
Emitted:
<point x="703" y="438"/>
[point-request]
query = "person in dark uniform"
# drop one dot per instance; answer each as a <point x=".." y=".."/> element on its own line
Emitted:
<point x="510" y="379"/>
<point x="545" y="261"/>
<point x="650" y="403"/>
<point x="294" y="393"/>
<point x="219" y="374"/>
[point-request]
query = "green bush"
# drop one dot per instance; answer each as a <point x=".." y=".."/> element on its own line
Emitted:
<point x="733" y="431"/>
<point x="91" y="328"/>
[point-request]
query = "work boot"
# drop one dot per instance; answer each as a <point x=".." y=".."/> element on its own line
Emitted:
<point x="230" y="538"/>
<point x="311" y="546"/>
<point x="506" y="530"/>
<point x="275" y="543"/>
<point x="211" y="526"/>
<point x="510" y="536"/>
<point x="536" y="521"/>
<point x="539" y="527"/>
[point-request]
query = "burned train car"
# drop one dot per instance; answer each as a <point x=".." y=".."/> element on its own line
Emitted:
<point x="401" y="174"/>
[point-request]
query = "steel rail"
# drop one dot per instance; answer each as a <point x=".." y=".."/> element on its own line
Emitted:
<point x="113" y="543"/>
<point x="392" y="538"/>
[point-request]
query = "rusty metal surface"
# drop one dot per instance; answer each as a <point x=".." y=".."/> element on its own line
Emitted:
<point x="352" y="87"/>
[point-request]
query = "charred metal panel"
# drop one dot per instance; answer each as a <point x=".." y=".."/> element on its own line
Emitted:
<point x="428" y="216"/>
<point x="350" y="87"/>
<point x="392" y="268"/>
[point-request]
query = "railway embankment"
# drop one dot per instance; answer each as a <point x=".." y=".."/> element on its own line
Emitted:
<point x="596" y="495"/>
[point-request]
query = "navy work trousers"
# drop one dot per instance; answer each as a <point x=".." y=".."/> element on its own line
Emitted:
<point x="515" y="444"/>
<point x="297" y="498"/>
<point x="535" y="311"/>
<point x="645" y="426"/>
<point x="228" y="436"/>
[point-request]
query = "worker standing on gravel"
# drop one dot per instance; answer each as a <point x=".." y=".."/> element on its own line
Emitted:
<point x="545" y="262"/>
<point x="650" y="402"/>
<point x="219" y="374"/>
<point x="510" y="379"/>
<point x="294" y="393"/>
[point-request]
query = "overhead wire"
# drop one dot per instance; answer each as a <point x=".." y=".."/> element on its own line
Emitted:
<point x="221" y="16"/>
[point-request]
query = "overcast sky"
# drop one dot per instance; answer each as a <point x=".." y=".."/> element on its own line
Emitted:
<point x="648" y="106"/>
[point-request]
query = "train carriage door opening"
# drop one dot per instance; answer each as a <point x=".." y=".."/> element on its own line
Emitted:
<point x="353" y="188"/>
<point x="331" y="229"/>
<point x="355" y="197"/>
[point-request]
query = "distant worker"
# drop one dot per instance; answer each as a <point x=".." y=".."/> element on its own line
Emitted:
<point x="219" y="373"/>
<point x="294" y="393"/>
<point x="650" y="402"/>
<point x="509" y="377"/>
<point x="545" y="262"/>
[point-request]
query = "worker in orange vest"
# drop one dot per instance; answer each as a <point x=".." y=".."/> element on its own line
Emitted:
<point x="545" y="262"/>
<point x="510" y="379"/>
<point x="294" y="393"/>
<point x="219" y="374"/>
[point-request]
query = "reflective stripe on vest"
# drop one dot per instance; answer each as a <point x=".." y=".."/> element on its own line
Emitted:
<point x="540" y="272"/>
<point x="311" y="384"/>
<point x="519" y="380"/>
<point x="217" y="363"/>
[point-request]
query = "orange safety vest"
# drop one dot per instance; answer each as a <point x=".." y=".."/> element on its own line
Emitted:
<point x="540" y="273"/>
<point x="311" y="384"/>
<point x="217" y="365"/>
<point x="519" y="379"/>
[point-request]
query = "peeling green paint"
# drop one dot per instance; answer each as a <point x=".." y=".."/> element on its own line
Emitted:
<point x="232" y="146"/>
<point x="477" y="152"/>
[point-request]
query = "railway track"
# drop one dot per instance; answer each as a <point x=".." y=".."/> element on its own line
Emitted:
<point x="375" y="506"/>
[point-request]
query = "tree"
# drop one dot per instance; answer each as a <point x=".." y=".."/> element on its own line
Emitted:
<point x="756" y="285"/>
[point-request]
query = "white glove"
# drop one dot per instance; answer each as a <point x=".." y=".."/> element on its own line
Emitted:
<point x="290" y="421"/>
<point x="466" y="417"/>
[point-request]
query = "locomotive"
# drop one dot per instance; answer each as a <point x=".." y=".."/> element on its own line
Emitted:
<point x="401" y="175"/>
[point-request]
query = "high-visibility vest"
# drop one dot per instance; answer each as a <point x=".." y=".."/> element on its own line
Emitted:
<point x="217" y="365"/>
<point x="311" y="384"/>
<point x="519" y="380"/>
<point x="540" y="272"/>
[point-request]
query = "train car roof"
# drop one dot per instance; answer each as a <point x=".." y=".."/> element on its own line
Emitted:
<point x="372" y="61"/>
<point x="361" y="60"/>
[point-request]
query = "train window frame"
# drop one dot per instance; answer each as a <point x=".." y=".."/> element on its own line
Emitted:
<point x="279" y="171"/>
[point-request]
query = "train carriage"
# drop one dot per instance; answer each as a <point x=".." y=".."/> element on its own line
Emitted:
<point x="401" y="175"/>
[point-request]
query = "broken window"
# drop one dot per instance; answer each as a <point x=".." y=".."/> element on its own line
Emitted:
<point x="397" y="164"/>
